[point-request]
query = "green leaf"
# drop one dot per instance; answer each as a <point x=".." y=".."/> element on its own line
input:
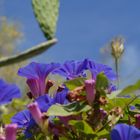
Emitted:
<point x="129" y="90"/>
<point x="82" y="126"/>
<point x="122" y="102"/>
<point x="103" y="134"/>
<point x="113" y="94"/>
<point x="46" y="13"/>
<point x="74" y="83"/>
<point x="101" y="81"/>
<point x="67" y="110"/>
<point x="6" y="118"/>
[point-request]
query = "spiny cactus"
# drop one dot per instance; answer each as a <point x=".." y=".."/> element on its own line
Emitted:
<point x="46" y="13"/>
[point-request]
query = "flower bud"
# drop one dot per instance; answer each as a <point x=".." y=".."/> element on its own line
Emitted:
<point x="137" y="123"/>
<point x="10" y="131"/>
<point x="36" y="113"/>
<point x="90" y="89"/>
<point x="2" y="137"/>
<point x="117" y="47"/>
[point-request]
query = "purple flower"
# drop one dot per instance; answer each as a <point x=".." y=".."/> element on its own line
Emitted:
<point x="125" y="132"/>
<point x="45" y="101"/>
<point x="25" y="121"/>
<point x="8" y="92"/>
<point x="22" y="118"/>
<point x="97" y="68"/>
<point x="36" y="75"/>
<point x="111" y="88"/>
<point x="61" y="97"/>
<point x="72" y="69"/>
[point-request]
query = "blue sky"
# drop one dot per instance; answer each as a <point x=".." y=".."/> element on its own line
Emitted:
<point x="84" y="27"/>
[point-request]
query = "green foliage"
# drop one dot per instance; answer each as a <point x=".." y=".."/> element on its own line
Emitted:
<point x="67" y="110"/>
<point x="114" y="94"/>
<point x="130" y="89"/>
<point x="74" y="83"/>
<point x="103" y="134"/>
<point x="101" y="81"/>
<point x="82" y="126"/>
<point x="46" y="13"/>
<point x="6" y="118"/>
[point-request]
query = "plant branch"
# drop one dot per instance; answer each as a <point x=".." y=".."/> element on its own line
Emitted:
<point x="34" y="51"/>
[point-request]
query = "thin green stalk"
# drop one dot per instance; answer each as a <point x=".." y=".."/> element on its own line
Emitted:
<point x="117" y="70"/>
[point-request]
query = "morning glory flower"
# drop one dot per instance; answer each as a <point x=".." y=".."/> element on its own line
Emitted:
<point x="125" y="132"/>
<point x="72" y="69"/>
<point x="45" y="101"/>
<point x="96" y="68"/>
<point x="8" y="92"/>
<point x="36" y="74"/>
<point x="25" y="121"/>
<point x="22" y="118"/>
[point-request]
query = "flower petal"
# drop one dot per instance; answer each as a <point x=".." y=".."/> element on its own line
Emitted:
<point x="72" y="69"/>
<point x="36" y="74"/>
<point x="125" y="132"/>
<point x="8" y="92"/>
<point x="97" y="68"/>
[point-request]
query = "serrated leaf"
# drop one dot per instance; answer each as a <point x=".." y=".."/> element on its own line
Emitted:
<point x="74" y="83"/>
<point x="81" y="126"/>
<point x="101" y="81"/>
<point x="46" y="13"/>
<point x="67" y="110"/>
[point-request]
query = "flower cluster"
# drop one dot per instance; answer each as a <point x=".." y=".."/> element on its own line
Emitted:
<point x="71" y="101"/>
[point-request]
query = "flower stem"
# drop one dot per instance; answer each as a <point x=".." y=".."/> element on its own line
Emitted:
<point x="117" y="70"/>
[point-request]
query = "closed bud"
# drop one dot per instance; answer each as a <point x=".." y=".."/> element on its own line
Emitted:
<point x="117" y="47"/>
<point x="137" y="123"/>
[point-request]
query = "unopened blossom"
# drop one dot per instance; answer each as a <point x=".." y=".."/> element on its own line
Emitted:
<point x="36" y="113"/>
<point x="137" y="123"/>
<point x="117" y="47"/>
<point x="10" y="132"/>
<point x="90" y="90"/>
